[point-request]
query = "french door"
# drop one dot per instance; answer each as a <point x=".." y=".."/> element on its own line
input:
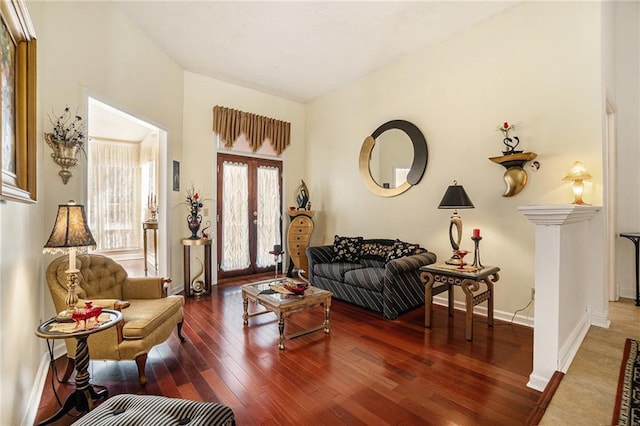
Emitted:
<point x="249" y="214"/>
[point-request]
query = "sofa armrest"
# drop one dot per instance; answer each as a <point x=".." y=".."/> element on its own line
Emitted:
<point x="318" y="254"/>
<point x="410" y="263"/>
<point x="143" y="288"/>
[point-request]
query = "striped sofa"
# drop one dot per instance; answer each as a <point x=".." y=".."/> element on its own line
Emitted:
<point x="372" y="278"/>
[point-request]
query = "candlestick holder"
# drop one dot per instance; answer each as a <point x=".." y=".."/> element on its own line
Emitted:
<point x="476" y="253"/>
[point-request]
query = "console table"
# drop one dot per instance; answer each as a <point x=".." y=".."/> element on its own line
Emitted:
<point x="83" y="397"/>
<point x="153" y="225"/>
<point x="440" y="278"/>
<point x="635" y="238"/>
<point x="187" y="243"/>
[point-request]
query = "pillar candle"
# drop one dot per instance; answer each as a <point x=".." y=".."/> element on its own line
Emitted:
<point x="476" y="233"/>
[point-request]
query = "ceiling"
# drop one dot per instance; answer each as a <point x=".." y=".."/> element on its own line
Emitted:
<point x="299" y="50"/>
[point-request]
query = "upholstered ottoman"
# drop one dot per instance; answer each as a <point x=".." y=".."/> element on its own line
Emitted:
<point x="152" y="410"/>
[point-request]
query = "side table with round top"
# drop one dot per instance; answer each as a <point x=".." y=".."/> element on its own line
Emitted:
<point x="83" y="397"/>
<point x="186" y="244"/>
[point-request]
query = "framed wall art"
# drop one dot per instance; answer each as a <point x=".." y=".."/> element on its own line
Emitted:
<point x="17" y="103"/>
<point x="176" y="175"/>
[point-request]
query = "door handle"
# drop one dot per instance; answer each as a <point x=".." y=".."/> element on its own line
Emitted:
<point x="255" y="221"/>
<point x="255" y="214"/>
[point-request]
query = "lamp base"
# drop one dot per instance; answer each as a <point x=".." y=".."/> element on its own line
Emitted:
<point x="454" y="260"/>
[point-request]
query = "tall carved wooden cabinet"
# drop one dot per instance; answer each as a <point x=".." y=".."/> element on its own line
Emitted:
<point x="298" y="237"/>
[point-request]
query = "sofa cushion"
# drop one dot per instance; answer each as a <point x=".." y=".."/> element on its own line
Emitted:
<point x="372" y="263"/>
<point x="369" y="278"/>
<point x="346" y="249"/>
<point x="145" y="315"/>
<point x="334" y="271"/>
<point x="402" y="249"/>
<point x="374" y="250"/>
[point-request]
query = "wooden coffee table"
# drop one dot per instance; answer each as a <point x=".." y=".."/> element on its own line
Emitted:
<point x="283" y="305"/>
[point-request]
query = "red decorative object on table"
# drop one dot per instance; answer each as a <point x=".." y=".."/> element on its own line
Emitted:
<point x="88" y="312"/>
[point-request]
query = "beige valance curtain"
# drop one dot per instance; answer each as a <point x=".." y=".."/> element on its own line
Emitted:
<point x="231" y="123"/>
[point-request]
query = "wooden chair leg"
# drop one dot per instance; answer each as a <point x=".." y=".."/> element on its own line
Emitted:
<point x="71" y="366"/>
<point x="141" y="361"/>
<point x="182" y="339"/>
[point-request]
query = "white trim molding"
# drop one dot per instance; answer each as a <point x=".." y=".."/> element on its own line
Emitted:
<point x="565" y="235"/>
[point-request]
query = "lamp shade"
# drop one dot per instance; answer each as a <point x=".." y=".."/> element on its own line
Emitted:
<point x="70" y="230"/>
<point x="577" y="172"/>
<point x="455" y="198"/>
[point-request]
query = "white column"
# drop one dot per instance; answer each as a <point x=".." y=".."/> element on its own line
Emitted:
<point x="564" y="241"/>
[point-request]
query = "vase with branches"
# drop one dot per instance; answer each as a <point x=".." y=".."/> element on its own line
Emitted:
<point x="66" y="139"/>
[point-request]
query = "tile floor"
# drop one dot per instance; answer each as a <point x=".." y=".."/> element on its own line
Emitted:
<point x="587" y="392"/>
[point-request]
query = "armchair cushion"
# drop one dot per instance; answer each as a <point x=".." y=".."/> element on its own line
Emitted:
<point x="145" y="315"/>
<point x="142" y="288"/>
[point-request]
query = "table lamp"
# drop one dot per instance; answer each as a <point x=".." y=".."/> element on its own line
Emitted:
<point x="455" y="198"/>
<point x="577" y="174"/>
<point x="70" y="235"/>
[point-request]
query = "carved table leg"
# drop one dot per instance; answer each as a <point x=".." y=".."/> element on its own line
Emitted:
<point x="427" y="279"/>
<point x="326" y="324"/>
<point x="469" y="287"/>
<point x="245" y="309"/>
<point x="281" y="330"/>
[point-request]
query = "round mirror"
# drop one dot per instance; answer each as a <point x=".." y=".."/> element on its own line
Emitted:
<point x="393" y="158"/>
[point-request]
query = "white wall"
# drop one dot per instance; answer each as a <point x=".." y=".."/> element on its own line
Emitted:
<point x="82" y="47"/>
<point x="201" y="94"/>
<point x="531" y="66"/>
<point x="628" y="138"/>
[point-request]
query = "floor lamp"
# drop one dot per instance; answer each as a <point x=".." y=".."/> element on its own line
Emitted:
<point x="455" y="198"/>
<point x="70" y="235"/>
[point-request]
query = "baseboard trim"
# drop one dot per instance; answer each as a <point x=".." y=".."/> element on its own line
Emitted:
<point x="570" y="347"/>
<point x="39" y="383"/>
<point x="482" y="310"/>
<point x="545" y="399"/>
<point x="600" y="319"/>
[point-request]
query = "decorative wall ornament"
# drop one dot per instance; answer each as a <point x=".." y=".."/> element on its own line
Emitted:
<point x="515" y="177"/>
<point x="66" y="140"/>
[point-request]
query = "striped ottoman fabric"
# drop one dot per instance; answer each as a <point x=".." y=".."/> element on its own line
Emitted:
<point x="152" y="410"/>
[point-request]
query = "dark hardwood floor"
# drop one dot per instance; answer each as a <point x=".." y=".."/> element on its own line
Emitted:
<point x="366" y="371"/>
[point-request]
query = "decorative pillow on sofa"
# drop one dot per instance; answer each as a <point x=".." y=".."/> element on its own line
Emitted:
<point x="346" y="249"/>
<point x="374" y="250"/>
<point x="402" y="249"/>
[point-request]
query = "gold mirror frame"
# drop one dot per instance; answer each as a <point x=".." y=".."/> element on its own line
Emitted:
<point x="418" y="166"/>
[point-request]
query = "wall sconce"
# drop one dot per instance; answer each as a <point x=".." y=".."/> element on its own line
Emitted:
<point x="515" y="177"/>
<point x="455" y="198"/>
<point x="577" y="174"/>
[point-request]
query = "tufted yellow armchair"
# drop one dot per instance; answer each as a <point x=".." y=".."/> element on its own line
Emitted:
<point x="148" y="314"/>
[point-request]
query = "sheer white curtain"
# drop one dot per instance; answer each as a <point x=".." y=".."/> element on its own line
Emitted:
<point x="114" y="205"/>
<point x="235" y="216"/>
<point x="268" y="214"/>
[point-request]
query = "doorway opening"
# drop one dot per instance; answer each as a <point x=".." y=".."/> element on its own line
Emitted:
<point x="249" y="214"/>
<point x="126" y="187"/>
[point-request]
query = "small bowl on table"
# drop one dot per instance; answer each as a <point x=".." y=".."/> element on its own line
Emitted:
<point x="296" y="287"/>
